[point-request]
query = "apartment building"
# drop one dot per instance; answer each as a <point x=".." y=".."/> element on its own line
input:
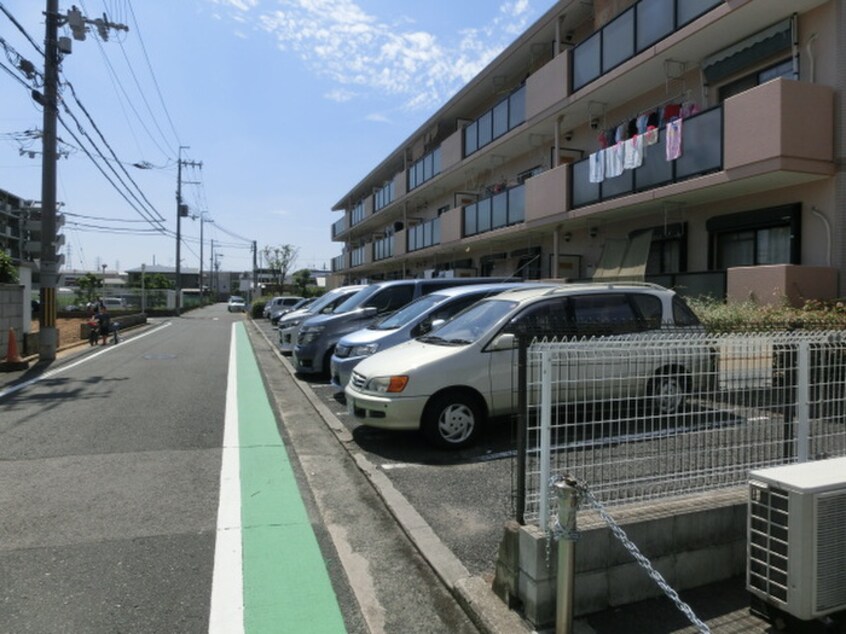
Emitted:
<point x="695" y="143"/>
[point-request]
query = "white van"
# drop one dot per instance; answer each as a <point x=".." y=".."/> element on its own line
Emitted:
<point x="450" y="382"/>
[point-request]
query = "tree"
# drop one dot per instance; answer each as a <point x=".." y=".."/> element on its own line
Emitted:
<point x="280" y="260"/>
<point x="8" y="272"/>
<point x="158" y="281"/>
<point x="301" y="280"/>
<point x="88" y="285"/>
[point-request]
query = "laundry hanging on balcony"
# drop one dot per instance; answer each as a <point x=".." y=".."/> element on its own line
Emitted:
<point x="674" y="139"/>
<point x="596" y="163"/>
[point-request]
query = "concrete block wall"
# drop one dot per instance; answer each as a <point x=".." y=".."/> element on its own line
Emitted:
<point x="11" y="316"/>
<point x="692" y="542"/>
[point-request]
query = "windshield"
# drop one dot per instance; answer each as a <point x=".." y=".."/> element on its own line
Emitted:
<point x="330" y="298"/>
<point x="405" y="315"/>
<point x="471" y="324"/>
<point x="351" y="303"/>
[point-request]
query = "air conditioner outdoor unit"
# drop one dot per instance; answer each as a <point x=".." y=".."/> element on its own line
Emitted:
<point x="797" y="538"/>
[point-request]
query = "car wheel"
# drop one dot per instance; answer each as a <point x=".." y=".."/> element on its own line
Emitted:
<point x="667" y="392"/>
<point x="453" y="420"/>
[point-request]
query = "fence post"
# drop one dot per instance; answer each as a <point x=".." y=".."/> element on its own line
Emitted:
<point x="522" y="426"/>
<point x="567" y="505"/>
<point x="545" y="437"/>
<point x="803" y="408"/>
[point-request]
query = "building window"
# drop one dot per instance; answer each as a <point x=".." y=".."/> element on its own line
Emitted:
<point x="783" y="68"/>
<point x="766" y="236"/>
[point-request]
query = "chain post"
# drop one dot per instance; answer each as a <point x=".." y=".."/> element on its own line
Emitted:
<point x="568" y="503"/>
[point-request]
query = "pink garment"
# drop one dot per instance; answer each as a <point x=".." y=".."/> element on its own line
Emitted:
<point x="674" y="139"/>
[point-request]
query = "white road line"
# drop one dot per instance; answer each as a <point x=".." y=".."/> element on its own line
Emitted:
<point x="51" y="373"/>
<point x="226" y="614"/>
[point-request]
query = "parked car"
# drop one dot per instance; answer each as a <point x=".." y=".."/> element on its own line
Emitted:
<point x="279" y="304"/>
<point x="319" y="334"/>
<point x="236" y="304"/>
<point x="278" y="313"/>
<point x="418" y="318"/>
<point x="288" y="325"/>
<point x="114" y="303"/>
<point x="452" y="381"/>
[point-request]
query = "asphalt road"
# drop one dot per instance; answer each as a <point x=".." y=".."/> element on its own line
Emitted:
<point x="109" y="485"/>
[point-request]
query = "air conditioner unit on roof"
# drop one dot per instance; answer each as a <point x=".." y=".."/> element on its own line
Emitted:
<point x="797" y="538"/>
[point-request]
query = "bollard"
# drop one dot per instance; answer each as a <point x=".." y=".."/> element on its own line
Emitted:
<point x="568" y="502"/>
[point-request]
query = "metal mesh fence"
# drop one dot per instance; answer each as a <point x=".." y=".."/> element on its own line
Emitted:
<point x="652" y="415"/>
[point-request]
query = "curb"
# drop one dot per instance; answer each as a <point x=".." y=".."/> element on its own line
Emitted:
<point x="472" y="593"/>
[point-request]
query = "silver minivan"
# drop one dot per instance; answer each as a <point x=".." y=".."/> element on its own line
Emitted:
<point x="450" y="382"/>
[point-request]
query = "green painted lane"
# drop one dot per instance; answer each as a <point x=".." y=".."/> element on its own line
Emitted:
<point x="286" y="585"/>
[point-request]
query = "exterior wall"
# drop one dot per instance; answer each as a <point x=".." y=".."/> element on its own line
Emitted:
<point x="761" y="125"/>
<point x="548" y="85"/>
<point x="772" y="285"/>
<point x="452" y="150"/>
<point x="546" y="194"/>
<point x="11" y="316"/>
<point x="691" y="543"/>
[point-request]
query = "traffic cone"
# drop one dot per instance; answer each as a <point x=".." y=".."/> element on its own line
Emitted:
<point x="13" y="359"/>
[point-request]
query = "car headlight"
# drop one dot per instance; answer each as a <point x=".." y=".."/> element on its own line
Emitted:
<point x="364" y="350"/>
<point x="311" y="334"/>
<point x="386" y="384"/>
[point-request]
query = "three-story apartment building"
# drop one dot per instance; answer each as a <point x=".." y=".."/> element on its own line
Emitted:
<point x="695" y="143"/>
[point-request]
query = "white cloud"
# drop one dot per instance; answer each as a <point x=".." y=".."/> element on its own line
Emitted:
<point x="340" y="95"/>
<point x="338" y="40"/>
<point x="378" y="117"/>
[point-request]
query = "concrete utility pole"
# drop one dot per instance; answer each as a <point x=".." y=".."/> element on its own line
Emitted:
<point x="181" y="210"/>
<point x="49" y="262"/>
<point x="255" y="271"/>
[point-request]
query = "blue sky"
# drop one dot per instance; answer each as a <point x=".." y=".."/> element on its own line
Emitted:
<point x="287" y="104"/>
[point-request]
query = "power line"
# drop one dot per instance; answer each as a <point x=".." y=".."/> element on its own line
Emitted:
<point x="21" y="29"/>
<point x="158" y="217"/>
<point x="152" y="74"/>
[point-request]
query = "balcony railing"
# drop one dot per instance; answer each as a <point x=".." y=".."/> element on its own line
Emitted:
<point x="358" y="214"/>
<point x="500" y="210"/>
<point x="383" y="196"/>
<point x="702" y="152"/>
<point x="339" y="226"/>
<point x="358" y="256"/>
<point x="424" y="169"/>
<point x="630" y="33"/>
<point x="504" y="116"/>
<point x="338" y="263"/>
<point x="426" y="234"/>
<point x="383" y="248"/>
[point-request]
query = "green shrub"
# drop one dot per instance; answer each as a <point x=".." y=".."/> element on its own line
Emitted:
<point x="718" y="316"/>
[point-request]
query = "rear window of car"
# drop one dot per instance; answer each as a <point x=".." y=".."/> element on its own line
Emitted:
<point x="682" y="314"/>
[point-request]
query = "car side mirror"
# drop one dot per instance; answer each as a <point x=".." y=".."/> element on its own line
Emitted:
<point x="369" y="311"/>
<point x="505" y="341"/>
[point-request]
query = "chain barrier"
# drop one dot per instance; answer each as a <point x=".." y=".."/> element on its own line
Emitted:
<point x="558" y="532"/>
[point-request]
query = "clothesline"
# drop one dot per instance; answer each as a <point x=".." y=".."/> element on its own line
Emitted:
<point x="612" y="161"/>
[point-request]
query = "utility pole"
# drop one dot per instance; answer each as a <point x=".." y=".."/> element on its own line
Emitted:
<point x="48" y="336"/>
<point x="49" y="262"/>
<point x="255" y="271"/>
<point x="181" y="210"/>
<point x="211" y="270"/>
<point x="202" y="213"/>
